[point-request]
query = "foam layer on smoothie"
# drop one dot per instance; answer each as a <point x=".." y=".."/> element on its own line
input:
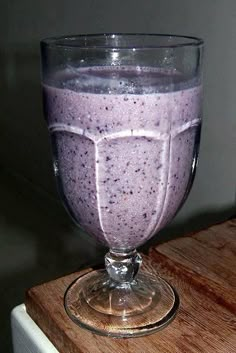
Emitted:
<point x="124" y="155"/>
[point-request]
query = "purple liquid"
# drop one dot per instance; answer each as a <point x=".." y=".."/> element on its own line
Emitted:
<point x="125" y="145"/>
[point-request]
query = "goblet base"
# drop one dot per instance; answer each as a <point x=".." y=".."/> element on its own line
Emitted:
<point x="108" y="308"/>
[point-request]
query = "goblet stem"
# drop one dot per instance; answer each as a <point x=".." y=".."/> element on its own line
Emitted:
<point x="122" y="266"/>
<point x="120" y="293"/>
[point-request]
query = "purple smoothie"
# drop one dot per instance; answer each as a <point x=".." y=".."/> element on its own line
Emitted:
<point x="125" y="144"/>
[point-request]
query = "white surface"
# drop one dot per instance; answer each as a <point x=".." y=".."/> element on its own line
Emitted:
<point x="26" y="335"/>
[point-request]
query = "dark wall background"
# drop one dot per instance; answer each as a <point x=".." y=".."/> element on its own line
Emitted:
<point x="24" y="143"/>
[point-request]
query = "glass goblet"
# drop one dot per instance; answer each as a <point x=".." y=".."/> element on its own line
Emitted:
<point x="124" y="115"/>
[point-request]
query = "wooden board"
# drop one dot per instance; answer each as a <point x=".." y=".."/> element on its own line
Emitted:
<point x="202" y="269"/>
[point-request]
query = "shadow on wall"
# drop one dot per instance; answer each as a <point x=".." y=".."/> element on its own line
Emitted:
<point x="38" y="243"/>
<point x="24" y="142"/>
<point x="191" y="224"/>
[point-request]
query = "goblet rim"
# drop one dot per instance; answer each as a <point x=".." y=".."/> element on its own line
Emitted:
<point x="83" y="41"/>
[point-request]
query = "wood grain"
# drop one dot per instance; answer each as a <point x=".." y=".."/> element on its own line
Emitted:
<point x="202" y="269"/>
